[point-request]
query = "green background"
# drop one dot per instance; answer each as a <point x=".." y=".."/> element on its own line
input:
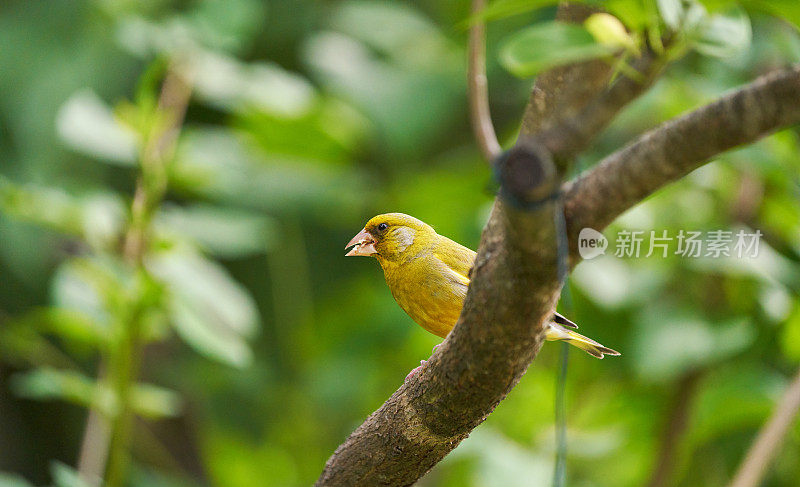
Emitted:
<point x="307" y="118"/>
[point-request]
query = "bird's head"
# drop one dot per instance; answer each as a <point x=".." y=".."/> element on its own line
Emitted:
<point x="391" y="236"/>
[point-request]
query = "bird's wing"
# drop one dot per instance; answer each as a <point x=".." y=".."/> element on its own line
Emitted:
<point x="562" y="320"/>
<point x="456" y="257"/>
<point x="459" y="260"/>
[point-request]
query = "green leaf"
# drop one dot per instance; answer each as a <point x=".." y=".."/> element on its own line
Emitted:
<point x="547" y="45"/>
<point x="229" y="84"/>
<point x="23" y="346"/>
<point x="103" y="218"/>
<point x="66" y="476"/>
<point x="724" y="35"/>
<point x="46" y="384"/>
<point x="671" y="12"/>
<point x="393" y="28"/>
<point x="221" y="25"/>
<point x="104" y="290"/>
<point x="226" y="24"/>
<point x="635" y="14"/>
<point x="614" y="283"/>
<point x="86" y="124"/>
<point x="13" y="480"/>
<point x="788" y="10"/>
<point x="209" y="310"/>
<point x="70" y="386"/>
<point x="49" y="207"/>
<point x="84" y="286"/>
<point x="225" y="232"/>
<point x="207" y="336"/>
<point x="217" y="164"/>
<point x="500" y="9"/>
<point x="386" y="88"/>
<point x="327" y="132"/>
<point x="670" y="343"/>
<point x="75" y="327"/>
<point x="502" y="461"/>
<point x="155" y="402"/>
<point x="718" y="5"/>
<point x="97" y="218"/>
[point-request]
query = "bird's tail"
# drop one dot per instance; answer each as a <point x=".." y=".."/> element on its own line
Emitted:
<point x="558" y="332"/>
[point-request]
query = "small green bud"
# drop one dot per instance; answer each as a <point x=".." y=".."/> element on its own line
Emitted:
<point x="609" y="31"/>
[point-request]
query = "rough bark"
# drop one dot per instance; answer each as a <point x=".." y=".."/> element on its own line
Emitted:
<point x="514" y="283"/>
<point x="679" y="146"/>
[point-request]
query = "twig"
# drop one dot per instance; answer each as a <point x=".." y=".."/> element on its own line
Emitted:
<point x="674" y="429"/>
<point x="769" y="439"/>
<point x="478" y="89"/>
<point x="104" y="440"/>
<point x="94" y="447"/>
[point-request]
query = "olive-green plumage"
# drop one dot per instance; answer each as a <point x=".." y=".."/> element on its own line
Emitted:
<point x="428" y="275"/>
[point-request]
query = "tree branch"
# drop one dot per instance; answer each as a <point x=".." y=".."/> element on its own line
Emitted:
<point x="674" y="149"/>
<point x="514" y="285"/>
<point x="769" y="439"/>
<point x="478" y="89"/>
<point x="514" y="289"/>
<point x="674" y="428"/>
<point x="573" y="133"/>
<point x="486" y="354"/>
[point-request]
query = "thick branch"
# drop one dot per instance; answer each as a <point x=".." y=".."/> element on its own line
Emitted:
<point x="769" y="439"/>
<point x="514" y="289"/>
<point x="678" y="147"/>
<point x="573" y="133"/>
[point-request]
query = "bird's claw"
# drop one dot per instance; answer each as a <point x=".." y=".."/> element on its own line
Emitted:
<point x="422" y="362"/>
<point x="414" y="371"/>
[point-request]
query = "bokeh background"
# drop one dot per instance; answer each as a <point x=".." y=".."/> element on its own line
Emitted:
<point x="307" y="118"/>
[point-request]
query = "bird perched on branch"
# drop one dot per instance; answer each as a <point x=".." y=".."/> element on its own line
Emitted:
<point x="428" y="275"/>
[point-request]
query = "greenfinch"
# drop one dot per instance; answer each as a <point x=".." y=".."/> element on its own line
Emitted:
<point x="428" y="275"/>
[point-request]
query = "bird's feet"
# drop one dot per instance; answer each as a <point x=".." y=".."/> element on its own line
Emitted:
<point x="421" y="363"/>
<point x="414" y="371"/>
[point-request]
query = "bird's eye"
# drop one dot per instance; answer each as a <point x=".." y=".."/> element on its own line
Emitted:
<point x="382" y="227"/>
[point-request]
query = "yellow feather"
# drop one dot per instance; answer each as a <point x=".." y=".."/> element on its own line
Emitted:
<point x="429" y="274"/>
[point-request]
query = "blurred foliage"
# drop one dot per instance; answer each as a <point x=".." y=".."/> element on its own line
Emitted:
<point x="266" y="346"/>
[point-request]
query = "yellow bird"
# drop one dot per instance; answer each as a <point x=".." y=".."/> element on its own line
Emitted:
<point x="428" y="275"/>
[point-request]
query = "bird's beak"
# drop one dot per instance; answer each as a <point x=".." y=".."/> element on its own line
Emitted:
<point x="362" y="243"/>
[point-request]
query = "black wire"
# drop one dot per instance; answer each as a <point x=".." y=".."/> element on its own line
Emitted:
<point x="562" y="256"/>
<point x="562" y="268"/>
<point x="559" y="475"/>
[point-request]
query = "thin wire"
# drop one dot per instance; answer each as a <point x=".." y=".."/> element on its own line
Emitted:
<point x="562" y="255"/>
<point x="483" y="129"/>
<point x="560" y="473"/>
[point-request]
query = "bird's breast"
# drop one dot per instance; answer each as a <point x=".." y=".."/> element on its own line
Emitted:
<point x="427" y="293"/>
